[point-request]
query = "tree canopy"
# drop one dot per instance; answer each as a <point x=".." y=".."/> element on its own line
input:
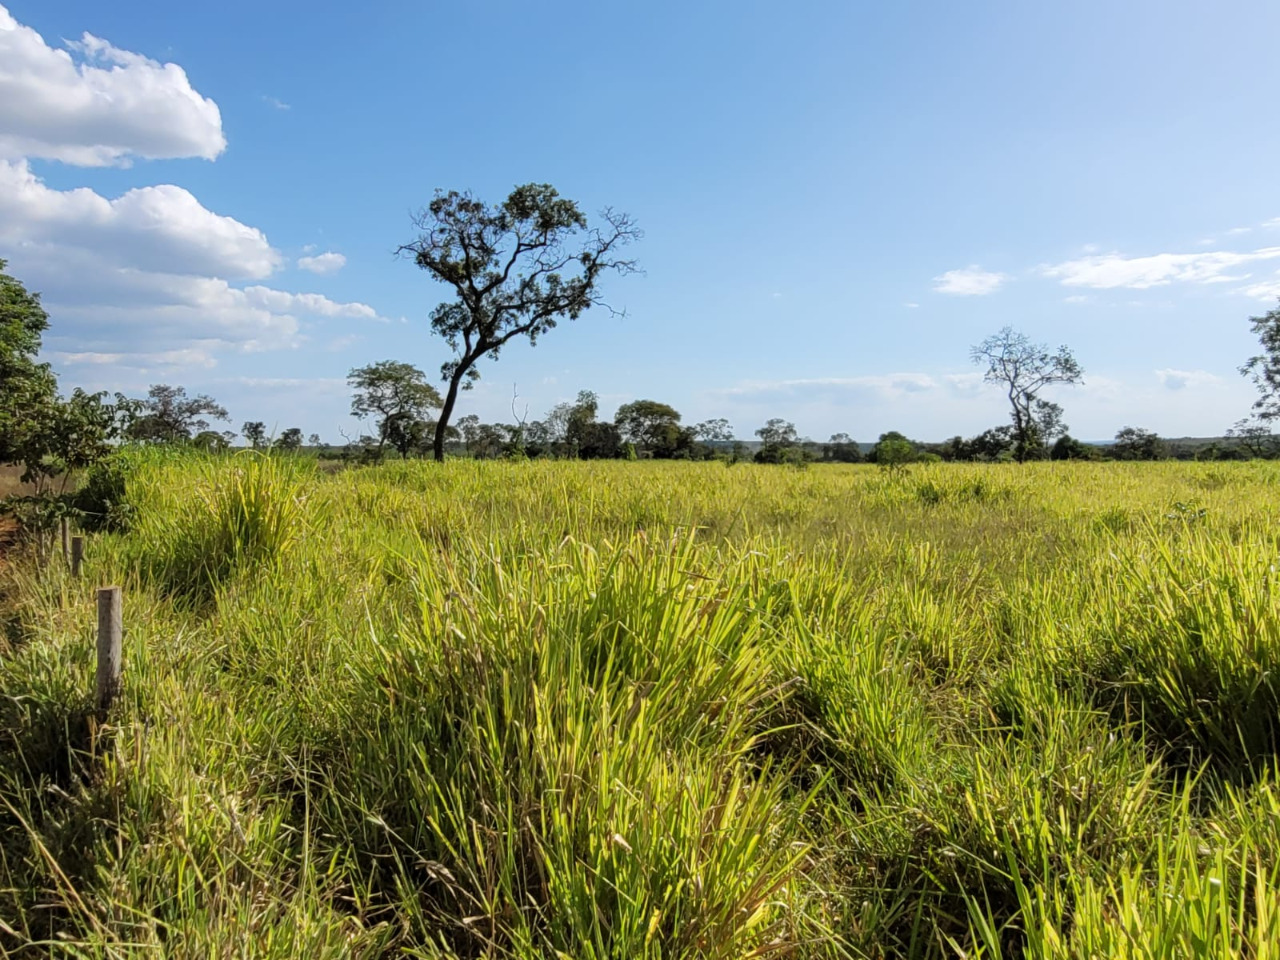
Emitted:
<point x="398" y="396"/>
<point x="25" y="384"/>
<point x="168" y="415"/>
<point x="516" y="269"/>
<point x="1264" y="368"/>
<point x="1024" y="368"/>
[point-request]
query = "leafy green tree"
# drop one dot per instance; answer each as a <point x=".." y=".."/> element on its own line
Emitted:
<point x="290" y="440"/>
<point x="398" y="396"/>
<point x="1067" y="447"/>
<point x="893" y="451"/>
<point x="778" y="438"/>
<point x="653" y="427"/>
<point x="1024" y="368"/>
<point x="255" y="431"/>
<point x="212" y="440"/>
<point x="714" y="431"/>
<point x="516" y="269"/>
<point x="168" y="415"/>
<point x="1264" y="368"/>
<point x="1135" y="443"/>
<point x="1255" y="438"/>
<point x="26" y="386"/>
<point x="841" y="448"/>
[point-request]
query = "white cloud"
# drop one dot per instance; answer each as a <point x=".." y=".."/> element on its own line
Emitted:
<point x="278" y="104"/>
<point x="970" y="281"/>
<point x="1076" y="298"/>
<point x="911" y="306"/>
<point x="151" y="278"/>
<point x="1112" y="270"/>
<point x="1266" y="290"/>
<point x="100" y="107"/>
<point x="324" y="263"/>
<point x="829" y="388"/>
<point x="188" y="358"/>
<point x="161" y="228"/>
<point x="1181" y="379"/>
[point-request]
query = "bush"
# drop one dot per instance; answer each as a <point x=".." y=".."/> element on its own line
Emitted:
<point x="102" y="502"/>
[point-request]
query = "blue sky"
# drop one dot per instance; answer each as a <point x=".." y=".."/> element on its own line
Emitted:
<point x="838" y="199"/>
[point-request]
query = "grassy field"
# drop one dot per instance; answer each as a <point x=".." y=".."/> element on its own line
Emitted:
<point x="628" y="710"/>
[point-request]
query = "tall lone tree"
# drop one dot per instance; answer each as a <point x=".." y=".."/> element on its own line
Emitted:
<point x="1024" y="368"/>
<point x="516" y="268"/>
<point x="1264" y="368"/>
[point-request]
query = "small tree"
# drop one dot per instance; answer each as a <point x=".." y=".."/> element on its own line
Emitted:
<point x="212" y="440"/>
<point x="893" y="451"/>
<point x="516" y="269"/>
<point x="290" y="441"/>
<point x="718" y="430"/>
<point x="652" y="426"/>
<point x="1024" y="368"/>
<point x="778" y="438"/>
<point x="841" y="448"/>
<point x="1255" y="438"/>
<point x="168" y="415"/>
<point x="255" y="431"/>
<point x="398" y="396"/>
<point x="1264" y="368"/>
<point x="1135" y="443"/>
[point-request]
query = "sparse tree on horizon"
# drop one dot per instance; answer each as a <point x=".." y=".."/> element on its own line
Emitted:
<point x="1024" y="368"/>
<point x="168" y="415"/>
<point x="255" y="431"/>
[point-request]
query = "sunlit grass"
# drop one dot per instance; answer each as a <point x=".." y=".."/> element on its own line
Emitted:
<point x="645" y="709"/>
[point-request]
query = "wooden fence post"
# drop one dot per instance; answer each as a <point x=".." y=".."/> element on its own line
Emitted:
<point x="77" y="555"/>
<point x="66" y="543"/>
<point x="110" y="636"/>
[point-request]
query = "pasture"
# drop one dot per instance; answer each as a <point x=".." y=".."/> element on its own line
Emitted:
<point x="608" y="709"/>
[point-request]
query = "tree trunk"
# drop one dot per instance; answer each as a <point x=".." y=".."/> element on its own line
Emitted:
<point x="446" y="411"/>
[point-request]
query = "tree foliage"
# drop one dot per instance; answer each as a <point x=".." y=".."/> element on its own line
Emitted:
<point x="1264" y="368"/>
<point x="400" y="400"/>
<point x="1024" y="368"/>
<point x="168" y="415"/>
<point x="516" y="269"/>
<point x="1135" y="443"/>
<point x="255" y="431"/>
<point x="26" y="385"/>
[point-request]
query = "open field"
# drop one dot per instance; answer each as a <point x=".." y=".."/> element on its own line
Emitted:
<point x="656" y="710"/>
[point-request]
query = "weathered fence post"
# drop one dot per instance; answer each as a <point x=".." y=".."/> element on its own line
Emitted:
<point x="77" y="555"/>
<point x="110" y="636"/>
<point x="66" y="543"/>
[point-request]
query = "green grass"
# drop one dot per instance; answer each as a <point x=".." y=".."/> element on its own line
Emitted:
<point x="655" y="710"/>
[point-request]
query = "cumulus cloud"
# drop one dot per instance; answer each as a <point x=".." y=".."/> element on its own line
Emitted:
<point x="150" y="279"/>
<point x="324" y="263"/>
<point x="150" y="274"/>
<point x="96" y="105"/>
<point x="1181" y="379"/>
<point x="1114" y="270"/>
<point x="161" y="228"/>
<point x="971" y="281"/>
